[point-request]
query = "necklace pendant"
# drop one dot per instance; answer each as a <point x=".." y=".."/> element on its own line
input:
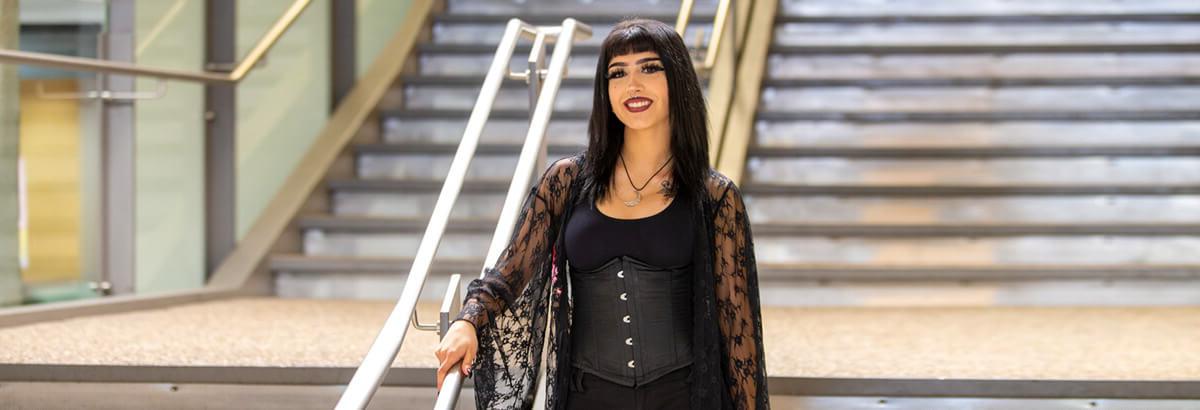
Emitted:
<point x="636" y="200"/>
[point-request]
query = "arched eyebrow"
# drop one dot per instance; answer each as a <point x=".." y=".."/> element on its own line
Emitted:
<point x="619" y="64"/>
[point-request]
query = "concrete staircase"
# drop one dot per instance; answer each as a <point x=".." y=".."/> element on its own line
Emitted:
<point x="986" y="145"/>
<point x="1001" y="142"/>
<point x="363" y="247"/>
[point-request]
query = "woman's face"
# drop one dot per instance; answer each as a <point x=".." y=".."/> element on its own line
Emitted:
<point x="637" y="90"/>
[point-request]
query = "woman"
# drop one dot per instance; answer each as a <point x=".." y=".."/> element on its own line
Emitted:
<point x="653" y="246"/>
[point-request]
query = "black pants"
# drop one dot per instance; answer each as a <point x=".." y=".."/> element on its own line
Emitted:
<point x="668" y="392"/>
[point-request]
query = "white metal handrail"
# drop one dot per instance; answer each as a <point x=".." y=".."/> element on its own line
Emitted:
<point x="383" y="351"/>
<point x="532" y="158"/>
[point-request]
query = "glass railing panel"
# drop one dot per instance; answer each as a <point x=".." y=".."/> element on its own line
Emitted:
<point x="49" y="185"/>
<point x="377" y="21"/>
<point x="169" y="130"/>
<point x="283" y="104"/>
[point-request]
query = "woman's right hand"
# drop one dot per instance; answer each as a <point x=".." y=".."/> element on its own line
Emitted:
<point x="460" y="345"/>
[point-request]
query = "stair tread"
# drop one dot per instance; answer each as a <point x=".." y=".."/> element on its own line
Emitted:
<point x="785" y="271"/>
<point x="990" y="18"/>
<point x="358" y="223"/>
<point x="877" y="48"/>
<point x="963" y="116"/>
<point x="465" y="113"/>
<point x="293" y="257"/>
<point x="831" y="151"/>
<point x="555" y="18"/>
<point x="477" y="81"/>
<point x="971" y="190"/>
<point x="757" y="188"/>
<point x="976" y="152"/>
<point x="986" y="80"/>
<point x="1168" y="47"/>
<point x="450" y="148"/>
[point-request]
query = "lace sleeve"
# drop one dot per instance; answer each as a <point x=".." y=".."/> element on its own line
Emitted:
<point x="531" y="241"/>
<point x="738" y="311"/>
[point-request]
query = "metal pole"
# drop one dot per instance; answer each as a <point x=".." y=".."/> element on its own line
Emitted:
<point x="118" y="157"/>
<point x="344" y="53"/>
<point x="220" y="146"/>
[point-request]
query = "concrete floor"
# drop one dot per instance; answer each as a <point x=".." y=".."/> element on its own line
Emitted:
<point x="1087" y="343"/>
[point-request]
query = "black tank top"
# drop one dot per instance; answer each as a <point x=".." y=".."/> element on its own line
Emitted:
<point x="663" y="239"/>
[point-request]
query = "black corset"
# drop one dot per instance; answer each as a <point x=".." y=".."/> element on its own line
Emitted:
<point x="632" y="322"/>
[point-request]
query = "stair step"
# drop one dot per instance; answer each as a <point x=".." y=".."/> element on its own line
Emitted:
<point x="601" y="17"/>
<point x="401" y="161"/>
<point x="978" y="48"/>
<point x="973" y="230"/>
<point x="454" y="245"/>
<point x="783" y="135"/>
<point x="777" y="189"/>
<point x="1083" y="250"/>
<point x="441" y="148"/>
<point x="578" y="50"/>
<point x="971" y="171"/>
<point x="462" y="97"/>
<point x="999" y="251"/>
<point x="414" y="129"/>
<point x="983" y="65"/>
<point x="824" y="8"/>
<point x="1014" y="17"/>
<point x="776" y="273"/>
<point x="298" y="263"/>
<point x="479" y="32"/>
<point x="983" y="81"/>
<point x="781" y="272"/>
<point x="497" y="113"/>
<point x="351" y="224"/>
<point x="429" y="96"/>
<point x="976" y="152"/>
<point x="440" y="60"/>
<point x="584" y="50"/>
<point x="822" y="209"/>
<point x="911" y="116"/>
<point x="477" y="81"/>
<point x="981" y="99"/>
<point x="416" y="205"/>
<point x="363" y="224"/>
<point x="396" y="185"/>
<point x="1016" y="210"/>
<point x="580" y="9"/>
<point x="990" y="33"/>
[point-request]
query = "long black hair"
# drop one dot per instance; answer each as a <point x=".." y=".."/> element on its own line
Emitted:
<point x="687" y="111"/>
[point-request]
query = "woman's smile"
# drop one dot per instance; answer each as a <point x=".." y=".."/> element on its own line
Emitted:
<point x="638" y="104"/>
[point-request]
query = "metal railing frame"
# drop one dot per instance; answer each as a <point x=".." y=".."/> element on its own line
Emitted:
<point x="233" y="76"/>
<point x="379" y="358"/>
<point x="718" y="32"/>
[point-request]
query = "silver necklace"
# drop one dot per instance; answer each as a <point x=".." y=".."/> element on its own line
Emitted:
<point x="638" y="191"/>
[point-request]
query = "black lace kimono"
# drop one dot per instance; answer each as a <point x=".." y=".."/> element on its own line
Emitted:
<point x="509" y="305"/>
